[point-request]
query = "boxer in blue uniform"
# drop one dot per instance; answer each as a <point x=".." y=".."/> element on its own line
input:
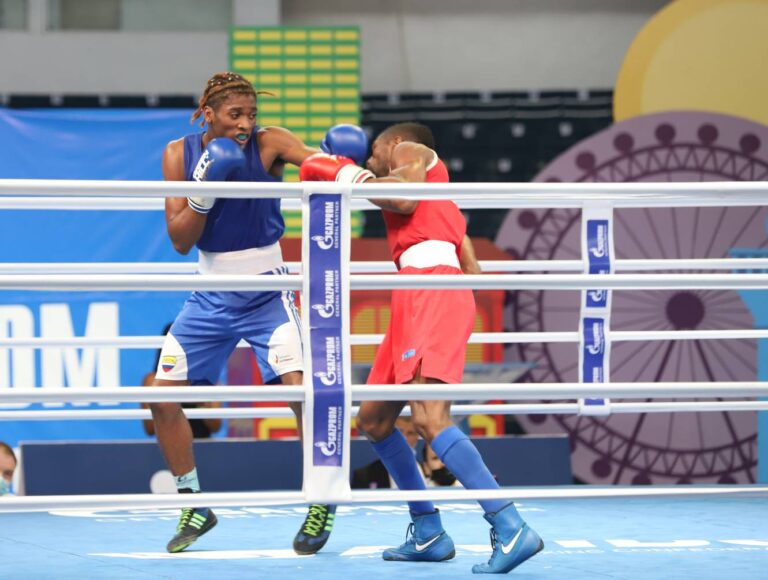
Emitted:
<point x="233" y="236"/>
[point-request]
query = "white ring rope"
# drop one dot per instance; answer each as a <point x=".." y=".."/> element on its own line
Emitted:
<point x="494" y="195"/>
<point x="456" y="411"/>
<point x="382" y="267"/>
<point x="244" y="283"/>
<point x="54" y="503"/>
<point x="465" y="392"/>
<point x="151" y="342"/>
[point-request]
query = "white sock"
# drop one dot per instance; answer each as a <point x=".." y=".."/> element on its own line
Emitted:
<point x="188" y="481"/>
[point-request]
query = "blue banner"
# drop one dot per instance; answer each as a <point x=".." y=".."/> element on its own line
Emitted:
<point x="595" y="315"/>
<point x="83" y="144"/>
<point x="593" y="337"/>
<point x="599" y="259"/>
<point x="325" y="317"/>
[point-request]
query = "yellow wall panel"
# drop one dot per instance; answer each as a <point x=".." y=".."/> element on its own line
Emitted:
<point x="346" y="79"/>
<point x="321" y="122"/>
<point x="296" y="35"/>
<point x="271" y="79"/>
<point x="270" y="50"/>
<point x="346" y="107"/>
<point x="320" y="50"/>
<point x="244" y="35"/>
<point x="321" y="64"/>
<point x="296" y="93"/>
<point x="347" y="93"/>
<point x="245" y="64"/>
<point x="296" y="50"/>
<point x="347" y="35"/>
<point x="321" y="107"/>
<point x="244" y="50"/>
<point x="346" y="50"/>
<point x="295" y="79"/>
<point x="321" y="79"/>
<point x="291" y="122"/>
<point x="347" y="64"/>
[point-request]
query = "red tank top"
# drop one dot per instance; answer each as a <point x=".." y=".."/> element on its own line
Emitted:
<point x="433" y="220"/>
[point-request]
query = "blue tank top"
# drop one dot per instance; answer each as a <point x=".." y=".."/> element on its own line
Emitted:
<point x="237" y="224"/>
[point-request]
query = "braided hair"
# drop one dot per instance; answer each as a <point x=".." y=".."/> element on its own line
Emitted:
<point x="219" y="87"/>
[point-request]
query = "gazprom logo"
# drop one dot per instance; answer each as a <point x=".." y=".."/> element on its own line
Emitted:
<point x="597" y="334"/>
<point x="598" y="240"/>
<point x="597" y="295"/>
<point x="323" y="242"/>
<point x="330" y="226"/>
<point x="328" y="376"/>
<point x="330" y="292"/>
<point x="324" y="310"/>
<point x="329" y="447"/>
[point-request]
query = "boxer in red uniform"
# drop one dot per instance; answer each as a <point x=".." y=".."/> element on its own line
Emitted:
<point x="426" y="343"/>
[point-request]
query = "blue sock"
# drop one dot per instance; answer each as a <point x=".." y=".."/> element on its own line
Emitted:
<point x="397" y="456"/>
<point x="462" y="458"/>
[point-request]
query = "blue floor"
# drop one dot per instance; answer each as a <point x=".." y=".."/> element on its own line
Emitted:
<point x="631" y="538"/>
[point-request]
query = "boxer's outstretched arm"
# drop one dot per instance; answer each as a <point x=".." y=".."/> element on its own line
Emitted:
<point x="408" y="165"/>
<point x="286" y="146"/>
<point x="185" y="226"/>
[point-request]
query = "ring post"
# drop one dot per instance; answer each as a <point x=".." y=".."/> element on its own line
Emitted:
<point x="325" y="321"/>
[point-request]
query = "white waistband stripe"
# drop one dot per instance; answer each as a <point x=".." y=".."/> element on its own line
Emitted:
<point x="428" y="254"/>
<point x="250" y="261"/>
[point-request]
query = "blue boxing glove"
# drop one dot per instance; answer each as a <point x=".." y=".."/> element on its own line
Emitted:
<point x="221" y="158"/>
<point x="346" y="141"/>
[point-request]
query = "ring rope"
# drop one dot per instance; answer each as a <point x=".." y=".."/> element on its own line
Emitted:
<point x="381" y="267"/>
<point x="244" y="283"/>
<point x="55" y="503"/>
<point x="456" y="411"/>
<point x="151" y="342"/>
<point x="573" y="195"/>
<point x="465" y="391"/>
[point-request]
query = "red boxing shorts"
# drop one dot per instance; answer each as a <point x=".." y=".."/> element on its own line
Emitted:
<point x="428" y="328"/>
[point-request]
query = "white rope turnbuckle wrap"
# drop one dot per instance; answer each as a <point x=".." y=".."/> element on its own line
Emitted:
<point x="564" y="275"/>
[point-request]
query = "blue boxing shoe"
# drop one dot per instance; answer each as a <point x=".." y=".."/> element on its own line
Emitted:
<point x="425" y="541"/>
<point x="512" y="540"/>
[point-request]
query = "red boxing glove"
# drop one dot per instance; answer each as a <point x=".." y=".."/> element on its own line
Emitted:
<point x="324" y="167"/>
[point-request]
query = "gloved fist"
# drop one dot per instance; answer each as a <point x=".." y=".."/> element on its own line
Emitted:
<point x="347" y="141"/>
<point x="322" y="167"/>
<point x="221" y="158"/>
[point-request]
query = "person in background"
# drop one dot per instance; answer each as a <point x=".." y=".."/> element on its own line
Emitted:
<point x="436" y="474"/>
<point x="7" y="467"/>
<point x="375" y="475"/>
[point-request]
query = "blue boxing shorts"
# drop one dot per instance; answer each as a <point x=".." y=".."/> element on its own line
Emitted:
<point x="211" y="324"/>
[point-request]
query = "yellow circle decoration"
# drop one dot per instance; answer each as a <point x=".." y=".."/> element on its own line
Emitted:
<point x="698" y="55"/>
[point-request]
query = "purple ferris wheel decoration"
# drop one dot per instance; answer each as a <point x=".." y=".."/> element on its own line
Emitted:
<point x="650" y="448"/>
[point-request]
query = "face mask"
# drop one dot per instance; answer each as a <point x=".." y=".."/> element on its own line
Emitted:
<point x="5" y="487"/>
<point x="443" y="477"/>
